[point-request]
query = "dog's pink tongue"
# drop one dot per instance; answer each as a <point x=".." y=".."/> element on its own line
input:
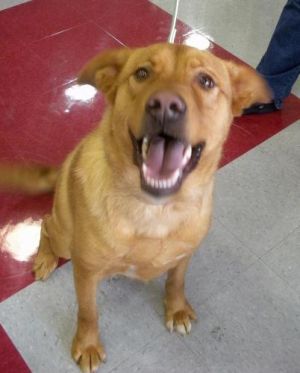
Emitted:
<point x="155" y="155"/>
<point x="163" y="156"/>
<point x="173" y="156"/>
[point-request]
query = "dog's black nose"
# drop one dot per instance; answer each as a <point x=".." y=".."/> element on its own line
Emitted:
<point x="165" y="106"/>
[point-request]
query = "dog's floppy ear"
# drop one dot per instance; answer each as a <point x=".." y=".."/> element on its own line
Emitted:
<point x="248" y="87"/>
<point x="103" y="70"/>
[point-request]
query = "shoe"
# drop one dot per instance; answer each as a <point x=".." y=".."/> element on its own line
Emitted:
<point x="260" y="109"/>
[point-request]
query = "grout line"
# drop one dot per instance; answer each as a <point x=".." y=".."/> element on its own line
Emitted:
<point x="286" y="283"/>
<point x="197" y="357"/>
<point x="278" y="243"/>
<point x="234" y="234"/>
<point x="125" y="360"/>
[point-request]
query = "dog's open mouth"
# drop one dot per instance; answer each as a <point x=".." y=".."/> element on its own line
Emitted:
<point x="164" y="161"/>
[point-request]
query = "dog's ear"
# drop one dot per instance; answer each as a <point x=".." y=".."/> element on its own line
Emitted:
<point x="248" y="87"/>
<point x="102" y="71"/>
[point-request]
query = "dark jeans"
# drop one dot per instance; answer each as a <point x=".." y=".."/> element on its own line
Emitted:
<point x="280" y="65"/>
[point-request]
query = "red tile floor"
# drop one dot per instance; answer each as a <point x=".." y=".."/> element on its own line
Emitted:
<point x="44" y="113"/>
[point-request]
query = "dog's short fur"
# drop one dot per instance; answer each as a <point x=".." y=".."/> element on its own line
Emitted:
<point x="109" y="216"/>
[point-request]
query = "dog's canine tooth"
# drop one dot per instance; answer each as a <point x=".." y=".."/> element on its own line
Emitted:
<point x="144" y="147"/>
<point x="145" y="169"/>
<point x="148" y="179"/>
<point x="187" y="155"/>
<point x="176" y="176"/>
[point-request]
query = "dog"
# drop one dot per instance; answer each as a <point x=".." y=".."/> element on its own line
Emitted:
<point x="135" y="196"/>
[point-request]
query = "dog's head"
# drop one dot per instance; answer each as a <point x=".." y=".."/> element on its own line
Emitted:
<point x="171" y="106"/>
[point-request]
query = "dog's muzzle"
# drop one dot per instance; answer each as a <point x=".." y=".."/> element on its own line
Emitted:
<point x="162" y="154"/>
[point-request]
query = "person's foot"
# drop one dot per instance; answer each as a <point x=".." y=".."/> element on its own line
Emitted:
<point x="260" y="108"/>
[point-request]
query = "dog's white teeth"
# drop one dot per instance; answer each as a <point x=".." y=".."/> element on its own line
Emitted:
<point x="161" y="183"/>
<point x="176" y="176"/>
<point x="144" y="168"/>
<point x="144" y="147"/>
<point x="152" y="183"/>
<point x="187" y="155"/>
<point x="169" y="183"/>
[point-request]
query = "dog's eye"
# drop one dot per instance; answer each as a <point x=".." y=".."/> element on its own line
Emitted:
<point x="205" y="81"/>
<point x="141" y="74"/>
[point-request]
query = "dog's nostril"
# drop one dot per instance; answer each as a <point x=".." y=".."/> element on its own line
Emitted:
<point x="166" y="106"/>
<point x="174" y="107"/>
<point x="154" y="104"/>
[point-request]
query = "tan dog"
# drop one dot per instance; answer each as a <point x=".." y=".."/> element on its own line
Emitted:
<point x="135" y="197"/>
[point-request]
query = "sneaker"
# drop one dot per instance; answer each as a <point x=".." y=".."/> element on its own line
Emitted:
<point x="260" y="109"/>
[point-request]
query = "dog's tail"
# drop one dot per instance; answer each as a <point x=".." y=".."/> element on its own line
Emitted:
<point x="31" y="179"/>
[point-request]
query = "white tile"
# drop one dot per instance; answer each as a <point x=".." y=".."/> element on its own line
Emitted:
<point x="5" y="4"/>
<point x="219" y="260"/>
<point x="285" y="260"/>
<point x="254" y="326"/>
<point x="257" y="200"/>
<point x="284" y="148"/>
<point x="296" y="88"/>
<point x="234" y="25"/>
<point x="165" y="354"/>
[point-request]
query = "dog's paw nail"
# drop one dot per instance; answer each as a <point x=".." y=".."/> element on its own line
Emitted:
<point x="181" y="329"/>
<point x="170" y="326"/>
<point x="188" y="327"/>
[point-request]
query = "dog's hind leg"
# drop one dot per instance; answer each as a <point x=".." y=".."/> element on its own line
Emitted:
<point x="49" y="250"/>
<point x="178" y="312"/>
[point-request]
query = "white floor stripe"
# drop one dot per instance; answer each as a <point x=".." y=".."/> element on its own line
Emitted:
<point x="5" y="4"/>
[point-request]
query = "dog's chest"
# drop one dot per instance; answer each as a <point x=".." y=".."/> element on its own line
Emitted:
<point x="150" y="243"/>
<point x="138" y="220"/>
<point x="146" y="260"/>
<point x="149" y="258"/>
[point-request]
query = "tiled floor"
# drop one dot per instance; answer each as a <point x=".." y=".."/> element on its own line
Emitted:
<point x="244" y="282"/>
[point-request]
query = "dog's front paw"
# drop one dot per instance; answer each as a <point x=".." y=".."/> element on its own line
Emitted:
<point x="180" y="320"/>
<point x="88" y="357"/>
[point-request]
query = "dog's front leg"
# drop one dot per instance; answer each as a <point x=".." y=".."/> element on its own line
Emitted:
<point x="87" y="349"/>
<point x="178" y="312"/>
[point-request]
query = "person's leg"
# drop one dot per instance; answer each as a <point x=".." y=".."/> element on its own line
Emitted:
<point x="280" y="65"/>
